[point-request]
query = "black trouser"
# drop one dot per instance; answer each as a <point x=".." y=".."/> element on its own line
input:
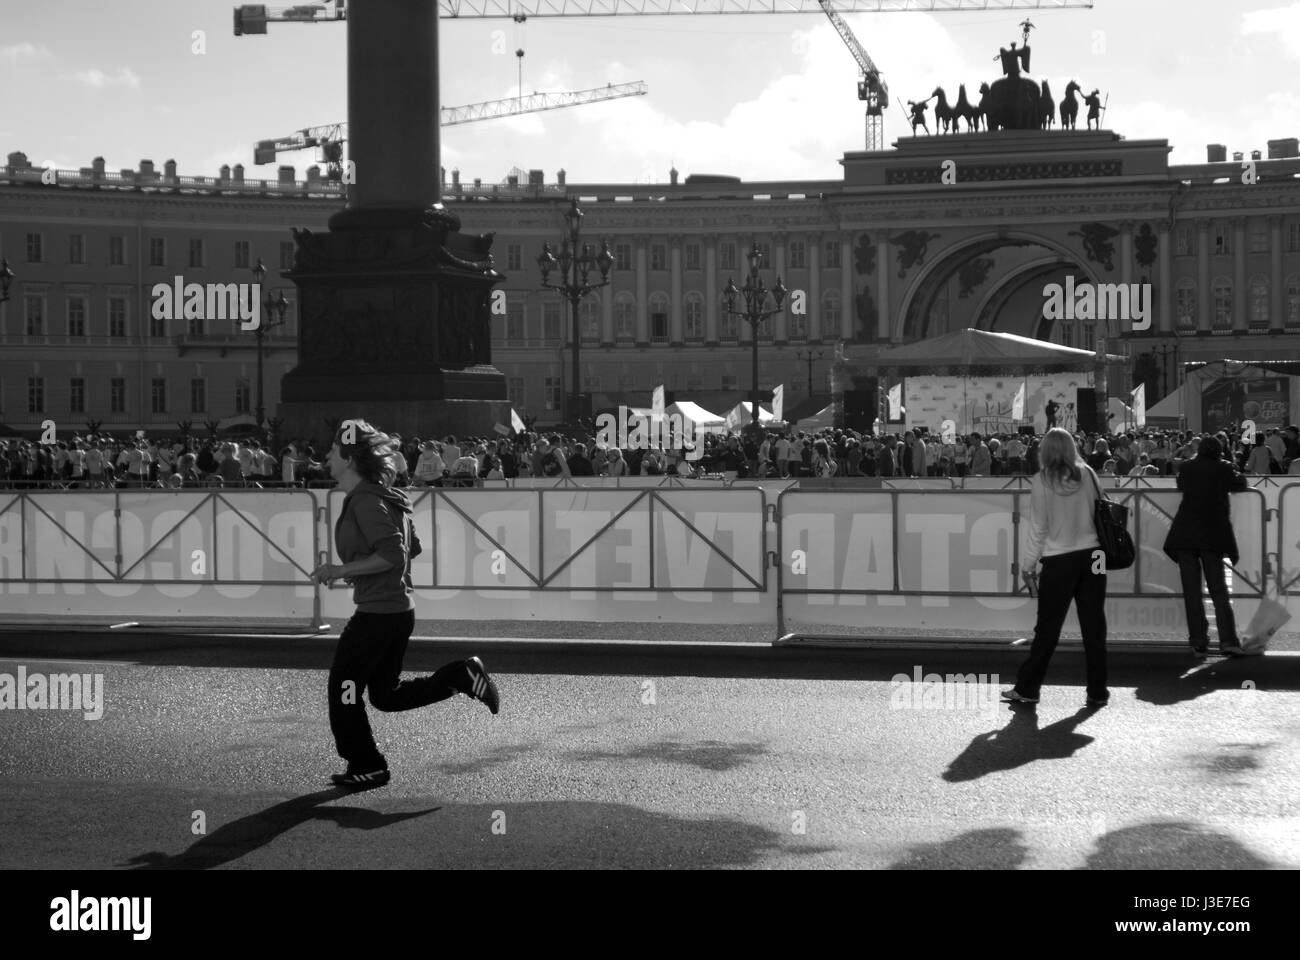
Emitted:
<point x="369" y="654"/>
<point x="1190" y="565"/>
<point x="1066" y="577"/>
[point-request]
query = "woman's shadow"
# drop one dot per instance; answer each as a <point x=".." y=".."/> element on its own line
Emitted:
<point x="239" y="837"/>
<point x="1018" y="743"/>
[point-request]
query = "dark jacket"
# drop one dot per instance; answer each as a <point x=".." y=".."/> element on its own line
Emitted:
<point x="375" y="519"/>
<point x="1204" y="518"/>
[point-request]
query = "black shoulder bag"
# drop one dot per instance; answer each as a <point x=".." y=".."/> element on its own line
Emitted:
<point x="1111" y="521"/>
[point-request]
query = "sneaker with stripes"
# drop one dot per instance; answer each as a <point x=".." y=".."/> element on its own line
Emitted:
<point x="480" y="685"/>
<point x="361" y="780"/>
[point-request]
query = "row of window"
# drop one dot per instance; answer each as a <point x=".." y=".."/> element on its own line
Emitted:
<point x="731" y="255"/>
<point x="553" y="388"/>
<point x="77" y="308"/>
<point x="1220" y="238"/>
<point x="117" y="251"/>
<point x="1257" y="300"/>
<point x="515" y="326"/>
<point x="77" y="396"/>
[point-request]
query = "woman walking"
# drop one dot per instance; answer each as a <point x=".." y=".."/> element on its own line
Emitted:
<point x="375" y="540"/>
<point x="1199" y="539"/>
<point x="1062" y="536"/>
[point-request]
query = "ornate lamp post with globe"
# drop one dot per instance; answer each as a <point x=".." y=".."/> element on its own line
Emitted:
<point x="756" y="296"/>
<point x="576" y="261"/>
<point x="273" y="311"/>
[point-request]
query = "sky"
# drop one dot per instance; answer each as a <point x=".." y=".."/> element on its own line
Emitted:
<point x="759" y="96"/>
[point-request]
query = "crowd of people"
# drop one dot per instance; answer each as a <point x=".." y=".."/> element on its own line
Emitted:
<point x="104" y="462"/>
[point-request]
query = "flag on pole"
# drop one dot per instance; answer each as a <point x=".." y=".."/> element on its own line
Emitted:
<point x="516" y="422"/>
<point x="1138" y="401"/>
<point x="1018" y="404"/>
<point x="657" y="401"/>
<point x="778" y="402"/>
<point x="895" y="401"/>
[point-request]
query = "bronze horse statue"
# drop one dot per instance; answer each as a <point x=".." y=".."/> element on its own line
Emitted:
<point x="1047" y="107"/>
<point x="945" y="115"/>
<point x="968" y="111"/>
<point x="1070" y="106"/>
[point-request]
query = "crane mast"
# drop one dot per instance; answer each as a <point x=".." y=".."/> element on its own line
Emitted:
<point x="871" y="87"/>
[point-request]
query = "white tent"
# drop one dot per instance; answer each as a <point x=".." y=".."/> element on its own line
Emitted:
<point x="1122" y="416"/>
<point x="818" y="421"/>
<point x="741" y="415"/>
<point x="696" y="416"/>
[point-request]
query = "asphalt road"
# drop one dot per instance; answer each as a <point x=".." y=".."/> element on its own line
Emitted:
<point x="672" y="757"/>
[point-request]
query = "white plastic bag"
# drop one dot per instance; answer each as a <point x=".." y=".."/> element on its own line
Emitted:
<point x="1268" y="619"/>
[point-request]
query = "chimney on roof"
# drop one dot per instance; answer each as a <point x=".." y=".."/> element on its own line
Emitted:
<point x="1284" y="148"/>
<point x="672" y="175"/>
<point x="146" y="168"/>
<point x="169" y="169"/>
<point x="98" y="166"/>
<point x="512" y="179"/>
<point x="224" y="174"/>
<point x="287" y="175"/>
<point x="238" y="173"/>
<point x="1238" y="156"/>
<point x="536" y="178"/>
<point x="1216" y="153"/>
<point x="313" y="174"/>
<point x="1256" y="155"/>
<point x="455" y="179"/>
<point x="18" y="161"/>
<point x="559" y="177"/>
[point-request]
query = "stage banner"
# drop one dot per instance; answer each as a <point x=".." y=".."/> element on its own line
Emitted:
<point x="1238" y="393"/>
<point x="988" y="404"/>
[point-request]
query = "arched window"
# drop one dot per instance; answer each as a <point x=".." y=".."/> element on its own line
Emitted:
<point x="1259" y="316"/>
<point x="1185" y="304"/>
<point x="589" y="317"/>
<point x="625" y="316"/>
<point x="658" y="317"/>
<point x="1293" y="302"/>
<point x="1222" y="303"/>
<point x="694" y="316"/>
<point x="830" y="314"/>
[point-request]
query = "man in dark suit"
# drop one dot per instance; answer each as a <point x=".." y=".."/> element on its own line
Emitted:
<point x="885" y="465"/>
<point x="1200" y="537"/>
<point x="1050" y="411"/>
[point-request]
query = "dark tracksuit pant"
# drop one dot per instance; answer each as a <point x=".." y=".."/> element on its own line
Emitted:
<point x="369" y="654"/>
<point x="1190" y="565"/>
<point x="1068" y="577"/>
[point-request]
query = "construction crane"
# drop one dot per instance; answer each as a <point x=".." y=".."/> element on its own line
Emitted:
<point x="253" y="18"/>
<point x="871" y="87"/>
<point x="330" y="137"/>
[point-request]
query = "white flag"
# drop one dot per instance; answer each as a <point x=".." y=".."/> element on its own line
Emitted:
<point x="1138" y="401"/>
<point x="657" y="401"/>
<point x="895" y="402"/>
<point x="516" y="422"/>
<point x="778" y="402"/>
<point x="1018" y="404"/>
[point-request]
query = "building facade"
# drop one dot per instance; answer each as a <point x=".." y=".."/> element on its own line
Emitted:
<point x="935" y="235"/>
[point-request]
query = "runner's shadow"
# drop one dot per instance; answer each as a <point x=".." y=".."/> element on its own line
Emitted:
<point x="1018" y="743"/>
<point x="239" y="837"/>
<point x="1197" y="679"/>
<point x="1000" y="848"/>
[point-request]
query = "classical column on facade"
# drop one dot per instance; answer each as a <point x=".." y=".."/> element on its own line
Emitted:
<point x="1125" y="326"/>
<point x="848" y="309"/>
<point x="607" y="316"/>
<point x="814" y="318"/>
<point x="711" y="290"/>
<point x="781" y="330"/>
<point x="884" y="315"/>
<point x="1204" y="284"/>
<point x="1240" y="300"/>
<point x="1276" y="278"/>
<point x="642" y="292"/>
<point x="675" y="337"/>
<point x="1167" y="294"/>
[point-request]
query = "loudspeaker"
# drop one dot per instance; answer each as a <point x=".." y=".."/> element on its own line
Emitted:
<point x="860" y="408"/>
<point x="1085" y="408"/>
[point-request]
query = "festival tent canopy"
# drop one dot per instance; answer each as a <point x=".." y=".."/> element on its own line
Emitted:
<point x="1168" y="412"/>
<point x="820" y="420"/>
<point x="984" y="348"/>
<point x="740" y="415"/>
<point x="695" y="414"/>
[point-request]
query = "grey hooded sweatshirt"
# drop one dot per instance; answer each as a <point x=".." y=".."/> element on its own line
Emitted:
<point x="375" y="519"/>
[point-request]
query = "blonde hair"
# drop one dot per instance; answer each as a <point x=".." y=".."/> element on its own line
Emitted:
<point x="1059" y="459"/>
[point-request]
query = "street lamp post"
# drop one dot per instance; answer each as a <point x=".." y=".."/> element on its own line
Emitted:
<point x="273" y="311"/>
<point x="576" y="261"/>
<point x="809" y="356"/>
<point x="756" y="294"/>
<point x="1164" y="350"/>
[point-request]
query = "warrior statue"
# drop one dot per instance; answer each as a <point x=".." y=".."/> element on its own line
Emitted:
<point x="1015" y="101"/>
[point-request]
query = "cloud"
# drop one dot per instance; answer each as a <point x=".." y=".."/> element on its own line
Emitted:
<point x="23" y="51"/>
<point x="99" y="80"/>
<point x="1283" y="22"/>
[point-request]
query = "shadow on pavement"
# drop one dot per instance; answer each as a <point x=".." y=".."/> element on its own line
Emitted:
<point x="1172" y="846"/>
<point x="1196" y="679"/>
<point x="1018" y="743"/>
<point x="998" y="848"/>
<point x="239" y="837"/>
<point x="707" y="755"/>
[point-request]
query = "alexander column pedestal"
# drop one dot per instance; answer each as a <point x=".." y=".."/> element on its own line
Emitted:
<point x="394" y="312"/>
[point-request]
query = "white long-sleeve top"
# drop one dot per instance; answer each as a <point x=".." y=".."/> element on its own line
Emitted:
<point x="1060" y="522"/>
